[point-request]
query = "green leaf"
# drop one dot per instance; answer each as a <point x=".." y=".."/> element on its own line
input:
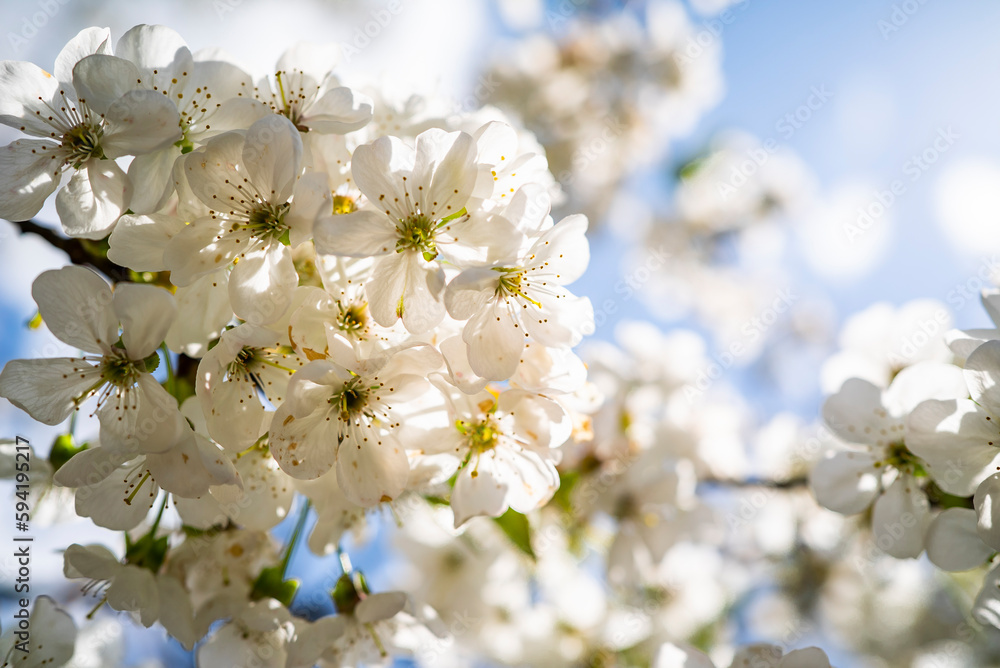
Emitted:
<point x="152" y="362"/>
<point x="517" y="528"/>
<point x="271" y="584"/>
<point x="63" y="450"/>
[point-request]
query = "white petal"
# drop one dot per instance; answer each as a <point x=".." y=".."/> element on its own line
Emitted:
<point x="139" y="122"/>
<point x="338" y="110"/>
<point x="982" y="372"/>
<point x="146" y="313"/>
<point x="145" y="418"/>
<point x="404" y="286"/>
<point x="378" y="169"/>
<point x="479" y="490"/>
<point x="46" y="388"/>
<point x="900" y="518"/>
<point x="444" y="165"/>
<point x="176" y="614"/>
<point x="563" y="250"/>
<point x="468" y="293"/>
<point x="75" y="304"/>
<point x="152" y="46"/>
<point x="987" y="504"/>
<point x="200" y="248"/>
<point x="204" y="310"/>
<point x="135" y="590"/>
<point x="853" y="413"/>
<point x="953" y="543"/>
<point x="105" y="502"/>
<point x="154" y="173"/>
<point x="371" y="467"/>
<point x="100" y="80"/>
<point x="305" y="447"/>
<point x="83" y="44"/>
<point x="137" y="242"/>
<point x="495" y="342"/>
<point x="377" y="607"/>
<point x="29" y="173"/>
<point x="54" y="638"/>
<point x="90" y="466"/>
<point x="261" y="284"/>
<point x="24" y="89"/>
<point x="357" y="234"/>
<point x="986" y="609"/>
<point x="272" y="156"/>
<point x="92" y="200"/>
<point x="809" y="657"/>
<point x="267" y="492"/>
<point x="959" y="442"/>
<point x="921" y="381"/>
<point x="90" y="561"/>
<point x="670" y="655"/>
<point x="846" y="483"/>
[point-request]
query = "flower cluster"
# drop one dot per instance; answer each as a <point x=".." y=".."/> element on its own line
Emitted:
<point x="917" y="446"/>
<point x="363" y="316"/>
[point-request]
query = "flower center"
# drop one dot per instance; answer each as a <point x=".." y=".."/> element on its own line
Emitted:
<point x="82" y="143"/>
<point x="416" y="233"/>
<point x="344" y="204"/>
<point x="352" y="319"/>
<point x="352" y="399"/>
<point x="120" y="371"/>
<point x="267" y="221"/>
<point x="480" y="436"/>
<point x="512" y="284"/>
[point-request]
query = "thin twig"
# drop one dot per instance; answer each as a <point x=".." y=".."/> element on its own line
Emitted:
<point x="75" y="249"/>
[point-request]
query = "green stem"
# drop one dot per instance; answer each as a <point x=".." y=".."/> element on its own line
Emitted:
<point x="159" y="516"/>
<point x="293" y="541"/>
<point x="171" y="380"/>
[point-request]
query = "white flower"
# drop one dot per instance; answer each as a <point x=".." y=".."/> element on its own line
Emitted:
<point x="959" y="438"/>
<point x="345" y="416"/>
<point x="873" y="420"/>
<point x="247" y="360"/>
<point x="306" y="93"/>
<point x="80" y="309"/>
<point x="116" y="486"/>
<point x="370" y="629"/>
<point x="134" y="588"/>
<point x="52" y="638"/>
<point x="259" y="207"/>
<point x="523" y="297"/>
<point x="670" y="655"/>
<point x="207" y="94"/>
<point x="91" y="112"/>
<point x="503" y="447"/>
<point x="416" y="192"/>
<point x="261" y="630"/>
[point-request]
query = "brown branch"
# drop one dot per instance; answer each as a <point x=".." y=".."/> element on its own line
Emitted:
<point x="76" y="249"/>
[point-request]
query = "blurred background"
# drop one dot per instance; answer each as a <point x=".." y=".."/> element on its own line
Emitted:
<point x="754" y="172"/>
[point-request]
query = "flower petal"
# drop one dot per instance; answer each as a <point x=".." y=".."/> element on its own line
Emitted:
<point x="92" y="200"/>
<point x="146" y="313"/>
<point x="76" y="305"/>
